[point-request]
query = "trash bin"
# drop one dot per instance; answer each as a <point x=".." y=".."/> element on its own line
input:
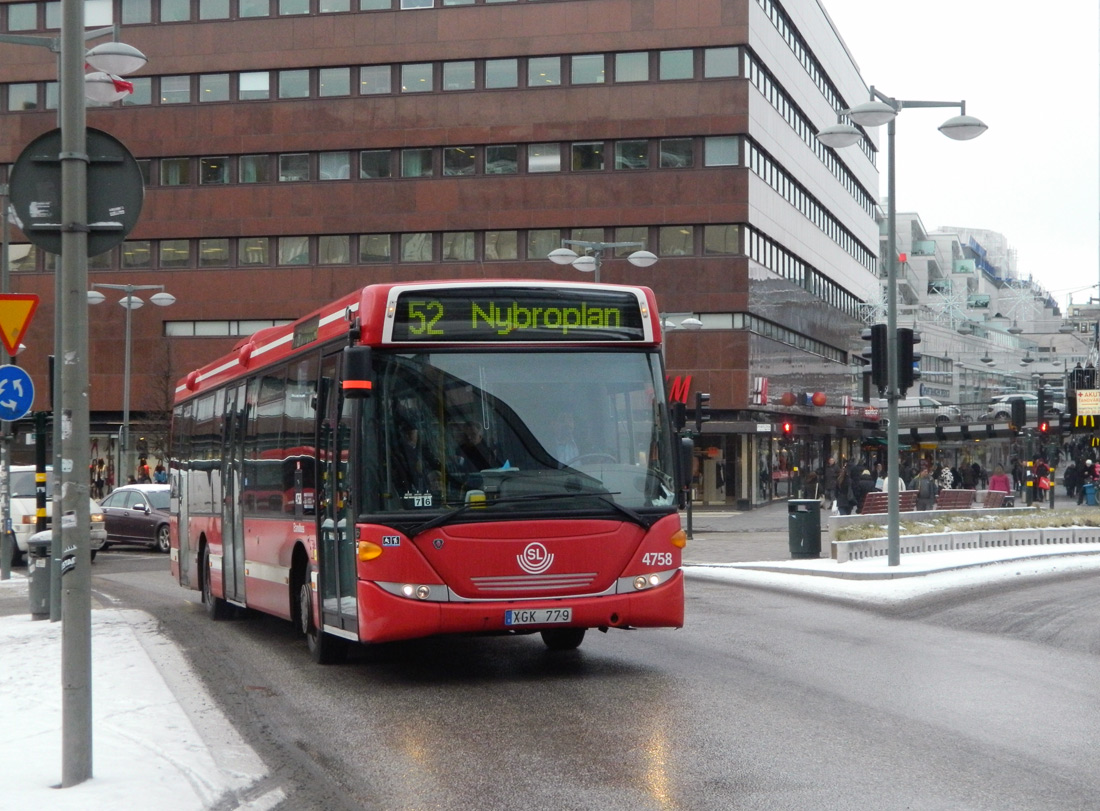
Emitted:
<point x="38" y="573"/>
<point x="1090" y="494"/>
<point x="804" y="527"/>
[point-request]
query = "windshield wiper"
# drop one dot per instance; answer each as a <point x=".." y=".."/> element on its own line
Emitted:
<point x="603" y="496"/>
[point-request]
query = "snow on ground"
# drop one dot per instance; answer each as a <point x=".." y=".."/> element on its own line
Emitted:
<point x="147" y="750"/>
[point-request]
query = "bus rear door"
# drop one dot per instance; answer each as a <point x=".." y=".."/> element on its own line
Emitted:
<point x="236" y="426"/>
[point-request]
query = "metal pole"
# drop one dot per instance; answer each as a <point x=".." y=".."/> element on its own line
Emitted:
<point x="76" y="648"/>
<point x="6" y="539"/>
<point x="893" y="530"/>
<point x="124" y="433"/>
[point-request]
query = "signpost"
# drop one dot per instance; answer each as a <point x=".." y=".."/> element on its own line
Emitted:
<point x="16" y="399"/>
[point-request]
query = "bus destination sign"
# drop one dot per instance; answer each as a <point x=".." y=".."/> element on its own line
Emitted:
<point x="517" y="314"/>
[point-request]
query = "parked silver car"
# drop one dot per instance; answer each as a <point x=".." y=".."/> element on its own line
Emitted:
<point x="923" y="410"/>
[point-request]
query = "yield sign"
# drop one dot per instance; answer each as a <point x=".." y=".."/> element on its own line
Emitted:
<point x="15" y="316"/>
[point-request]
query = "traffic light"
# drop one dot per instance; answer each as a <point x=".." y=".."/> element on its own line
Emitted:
<point x="1041" y="405"/>
<point x="788" y="429"/>
<point x="908" y="360"/>
<point x="1019" y="414"/>
<point x="679" y="416"/>
<point x="1044" y="427"/>
<point x="702" y="410"/>
<point x="877" y="354"/>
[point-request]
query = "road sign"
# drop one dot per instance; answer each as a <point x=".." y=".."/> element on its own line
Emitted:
<point x="16" y="393"/>
<point x="115" y="191"/>
<point x="15" y="316"/>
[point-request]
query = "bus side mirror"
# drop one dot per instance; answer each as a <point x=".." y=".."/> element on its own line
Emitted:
<point x="685" y="459"/>
<point x="355" y="375"/>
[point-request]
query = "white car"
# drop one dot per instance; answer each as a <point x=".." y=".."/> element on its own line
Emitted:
<point x="920" y="410"/>
<point x="24" y="510"/>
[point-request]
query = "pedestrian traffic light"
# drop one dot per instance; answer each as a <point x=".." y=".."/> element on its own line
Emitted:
<point x="908" y="360"/>
<point x="1044" y="426"/>
<point x="1019" y="414"/>
<point x="876" y="334"/>
<point x="702" y="410"/>
<point x="788" y="429"/>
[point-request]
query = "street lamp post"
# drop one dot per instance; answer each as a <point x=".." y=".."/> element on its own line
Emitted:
<point x="129" y="302"/>
<point x="591" y="262"/>
<point x="874" y="113"/>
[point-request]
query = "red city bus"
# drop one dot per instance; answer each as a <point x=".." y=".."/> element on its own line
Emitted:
<point x="436" y="458"/>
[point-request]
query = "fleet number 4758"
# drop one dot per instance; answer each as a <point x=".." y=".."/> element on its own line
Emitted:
<point x="657" y="558"/>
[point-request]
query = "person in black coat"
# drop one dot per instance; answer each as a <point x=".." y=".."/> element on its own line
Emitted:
<point x="865" y="485"/>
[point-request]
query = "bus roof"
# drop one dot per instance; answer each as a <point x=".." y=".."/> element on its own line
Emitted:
<point x="374" y="307"/>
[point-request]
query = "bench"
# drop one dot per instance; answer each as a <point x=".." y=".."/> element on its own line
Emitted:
<point x="878" y="503"/>
<point x="994" y="499"/>
<point x="955" y="500"/>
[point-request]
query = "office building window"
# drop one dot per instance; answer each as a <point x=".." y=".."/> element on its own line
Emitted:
<point x="175" y="171"/>
<point x="334" y="82"/>
<point x="175" y="89"/>
<point x="254" y="169"/>
<point x="721" y="150"/>
<point x="587" y="156"/>
<point x="214" y="87"/>
<point x="676" y="240"/>
<point x="214" y="253"/>
<point x="290" y="7"/>
<point x="334" y="249"/>
<point x="416" y="78"/>
<point x="254" y="251"/>
<point x="173" y="11"/>
<point x="375" y="80"/>
<point x="375" y="5"/>
<point x="213" y="171"/>
<point x="632" y="154"/>
<point x="543" y="158"/>
<point x="375" y="163"/>
<point x="540" y="243"/>
<point x="24" y="16"/>
<point x="293" y="250"/>
<point x="720" y="63"/>
<point x="502" y="245"/>
<point x="543" y="71"/>
<point x="416" y="247"/>
<point x="175" y="253"/>
<point x="587" y="69"/>
<point x="632" y="67"/>
<point x="502" y="159"/>
<point x="375" y="248"/>
<point x="213" y="9"/>
<point x="254" y="85"/>
<point x="721" y="239"/>
<point x="134" y="12"/>
<point x="458" y="75"/>
<point x="334" y="165"/>
<point x="22" y="96"/>
<point x="458" y="246"/>
<point x="293" y="167"/>
<point x="677" y="153"/>
<point x="679" y="64"/>
<point x="459" y="160"/>
<point x="501" y="73"/>
<point x="294" y="84"/>
<point x="254" y="8"/>
<point x="136" y="253"/>
<point x="333" y="6"/>
<point x="416" y="163"/>
<point x="632" y="233"/>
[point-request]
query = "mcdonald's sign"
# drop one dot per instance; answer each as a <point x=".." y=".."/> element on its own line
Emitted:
<point x="679" y="388"/>
<point x="1087" y="421"/>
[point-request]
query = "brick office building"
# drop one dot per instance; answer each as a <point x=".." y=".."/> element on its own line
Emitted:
<point x="296" y="149"/>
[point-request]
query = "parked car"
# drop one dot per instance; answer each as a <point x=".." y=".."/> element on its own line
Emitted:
<point x="24" y="511"/>
<point x="1000" y="408"/>
<point x="917" y="410"/>
<point x="137" y="514"/>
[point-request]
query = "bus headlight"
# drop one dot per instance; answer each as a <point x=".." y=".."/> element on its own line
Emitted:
<point x="646" y="581"/>
<point x="419" y="592"/>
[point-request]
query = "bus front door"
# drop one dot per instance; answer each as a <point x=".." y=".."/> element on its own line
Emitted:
<point x="236" y="425"/>
<point x="336" y="513"/>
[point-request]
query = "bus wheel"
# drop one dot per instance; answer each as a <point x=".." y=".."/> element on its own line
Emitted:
<point x="216" y="608"/>
<point x="563" y="638"/>
<point x="325" y="649"/>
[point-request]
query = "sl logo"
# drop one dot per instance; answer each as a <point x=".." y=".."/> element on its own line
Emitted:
<point x="534" y="559"/>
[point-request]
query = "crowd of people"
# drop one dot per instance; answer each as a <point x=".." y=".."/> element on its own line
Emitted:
<point x="844" y="485"/>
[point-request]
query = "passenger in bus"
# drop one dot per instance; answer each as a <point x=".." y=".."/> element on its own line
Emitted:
<point x="475" y="451"/>
<point x="563" y="445"/>
<point x="409" y="469"/>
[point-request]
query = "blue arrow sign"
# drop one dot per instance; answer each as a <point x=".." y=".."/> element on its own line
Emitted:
<point x="16" y="393"/>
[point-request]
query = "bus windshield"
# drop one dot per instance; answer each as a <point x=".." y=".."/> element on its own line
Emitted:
<point x="493" y="432"/>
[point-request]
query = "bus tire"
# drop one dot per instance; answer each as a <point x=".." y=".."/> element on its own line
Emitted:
<point x="563" y="638"/>
<point x="216" y="607"/>
<point x="324" y="649"/>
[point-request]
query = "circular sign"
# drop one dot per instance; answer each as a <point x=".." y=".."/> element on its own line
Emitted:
<point x="16" y="393"/>
<point x="115" y="191"/>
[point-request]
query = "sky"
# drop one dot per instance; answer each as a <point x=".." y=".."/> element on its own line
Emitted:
<point x="1015" y="65"/>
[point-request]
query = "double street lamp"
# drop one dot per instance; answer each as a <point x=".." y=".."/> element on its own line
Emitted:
<point x="591" y="262"/>
<point x="129" y="302"/>
<point x="883" y="109"/>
